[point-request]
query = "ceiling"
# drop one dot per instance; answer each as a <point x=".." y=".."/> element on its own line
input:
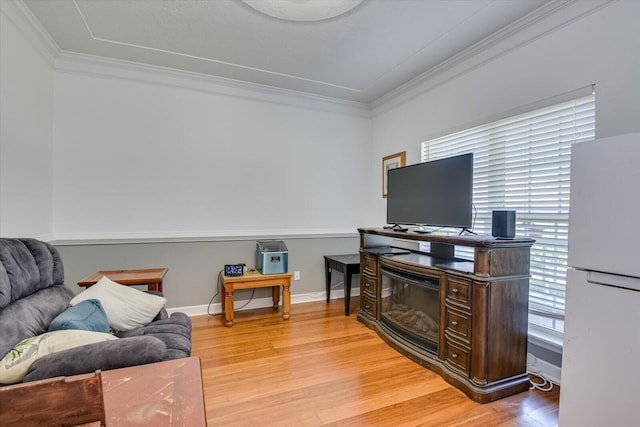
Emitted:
<point x="358" y="56"/>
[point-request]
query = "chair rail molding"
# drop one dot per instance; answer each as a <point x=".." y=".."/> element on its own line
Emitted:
<point x="76" y="239"/>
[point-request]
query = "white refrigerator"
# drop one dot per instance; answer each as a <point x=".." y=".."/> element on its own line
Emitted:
<point x="600" y="384"/>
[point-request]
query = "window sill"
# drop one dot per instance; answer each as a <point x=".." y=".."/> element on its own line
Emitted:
<point x="542" y="338"/>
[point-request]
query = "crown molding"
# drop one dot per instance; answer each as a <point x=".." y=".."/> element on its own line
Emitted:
<point x="75" y="63"/>
<point x="548" y="18"/>
<point x="95" y="66"/>
<point x="20" y="15"/>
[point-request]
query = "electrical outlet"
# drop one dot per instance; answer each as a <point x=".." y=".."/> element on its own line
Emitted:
<point x="296" y="275"/>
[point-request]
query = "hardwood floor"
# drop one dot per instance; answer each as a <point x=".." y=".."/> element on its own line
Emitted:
<point x="322" y="368"/>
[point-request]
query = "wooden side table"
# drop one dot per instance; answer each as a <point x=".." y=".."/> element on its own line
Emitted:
<point x="348" y="265"/>
<point x="255" y="279"/>
<point x="151" y="277"/>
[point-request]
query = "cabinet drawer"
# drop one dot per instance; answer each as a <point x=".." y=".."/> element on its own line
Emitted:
<point x="369" y="264"/>
<point x="457" y="356"/>
<point x="369" y="285"/>
<point x="369" y="306"/>
<point x="459" y="290"/>
<point x="458" y="323"/>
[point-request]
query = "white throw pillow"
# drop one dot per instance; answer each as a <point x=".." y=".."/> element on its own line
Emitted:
<point x="126" y="308"/>
<point x="15" y="365"/>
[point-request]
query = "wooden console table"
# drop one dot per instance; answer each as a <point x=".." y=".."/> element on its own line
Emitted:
<point x="481" y="342"/>
<point x="150" y="277"/>
<point x="255" y="279"/>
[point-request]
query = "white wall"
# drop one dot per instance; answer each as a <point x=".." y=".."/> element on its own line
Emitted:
<point x="26" y="117"/>
<point x="133" y="157"/>
<point x="600" y="48"/>
<point x="136" y="152"/>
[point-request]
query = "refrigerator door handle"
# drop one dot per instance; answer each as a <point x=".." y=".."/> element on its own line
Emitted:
<point x="625" y="282"/>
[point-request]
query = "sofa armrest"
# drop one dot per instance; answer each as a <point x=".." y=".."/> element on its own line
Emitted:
<point x="105" y="355"/>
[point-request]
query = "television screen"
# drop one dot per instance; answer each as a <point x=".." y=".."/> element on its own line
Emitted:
<point x="437" y="193"/>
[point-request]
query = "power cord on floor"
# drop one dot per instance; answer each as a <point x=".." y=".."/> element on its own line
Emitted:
<point x="545" y="384"/>
<point x="253" y="292"/>
<point x="214" y="296"/>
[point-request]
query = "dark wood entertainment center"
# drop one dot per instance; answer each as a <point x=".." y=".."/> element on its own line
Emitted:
<point x="483" y="305"/>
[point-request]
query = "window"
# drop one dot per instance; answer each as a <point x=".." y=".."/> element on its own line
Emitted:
<point x="523" y="163"/>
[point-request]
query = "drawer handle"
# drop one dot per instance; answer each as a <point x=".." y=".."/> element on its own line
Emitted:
<point x="367" y="306"/>
<point x="454" y="323"/>
<point x="455" y="290"/>
<point x="454" y="355"/>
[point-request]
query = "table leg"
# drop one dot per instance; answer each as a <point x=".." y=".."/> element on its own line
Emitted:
<point x="276" y="296"/>
<point x="228" y="307"/>
<point x="286" y="301"/>
<point x="223" y="302"/>
<point x="347" y="291"/>
<point x="327" y="276"/>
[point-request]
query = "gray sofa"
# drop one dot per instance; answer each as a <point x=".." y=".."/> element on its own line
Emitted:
<point x="32" y="294"/>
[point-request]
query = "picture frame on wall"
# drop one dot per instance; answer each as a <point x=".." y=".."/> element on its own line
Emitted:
<point x="392" y="161"/>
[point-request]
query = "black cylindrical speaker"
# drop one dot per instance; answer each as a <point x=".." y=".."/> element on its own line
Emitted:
<point x="503" y="224"/>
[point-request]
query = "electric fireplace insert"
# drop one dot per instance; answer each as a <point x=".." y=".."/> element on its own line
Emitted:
<point x="410" y="306"/>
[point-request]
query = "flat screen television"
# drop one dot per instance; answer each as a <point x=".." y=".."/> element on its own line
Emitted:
<point x="436" y="193"/>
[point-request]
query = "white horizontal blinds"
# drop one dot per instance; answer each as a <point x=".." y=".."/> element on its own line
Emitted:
<point x="522" y="163"/>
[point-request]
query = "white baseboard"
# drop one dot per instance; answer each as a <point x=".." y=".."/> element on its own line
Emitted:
<point x="547" y="370"/>
<point x="216" y="308"/>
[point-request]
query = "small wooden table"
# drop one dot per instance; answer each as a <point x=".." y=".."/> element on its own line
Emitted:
<point x="151" y="277"/>
<point x="348" y="265"/>
<point x="255" y="279"/>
